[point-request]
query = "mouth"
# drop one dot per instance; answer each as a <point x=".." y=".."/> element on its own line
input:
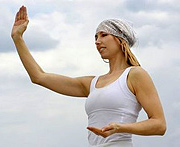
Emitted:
<point x="101" y="49"/>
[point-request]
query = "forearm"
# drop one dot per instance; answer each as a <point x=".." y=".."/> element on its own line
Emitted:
<point x="147" y="127"/>
<point x="33" y="69"/>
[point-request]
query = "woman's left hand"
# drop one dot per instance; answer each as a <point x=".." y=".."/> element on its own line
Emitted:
<point x="105" y="131"/>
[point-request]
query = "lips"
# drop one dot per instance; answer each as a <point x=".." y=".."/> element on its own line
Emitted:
<point x="100" y="49"/>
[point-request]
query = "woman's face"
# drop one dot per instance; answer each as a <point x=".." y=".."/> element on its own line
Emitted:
<point x="107" y="45"/>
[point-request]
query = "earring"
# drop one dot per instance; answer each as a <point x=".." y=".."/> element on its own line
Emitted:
<point x="105" y="61"/>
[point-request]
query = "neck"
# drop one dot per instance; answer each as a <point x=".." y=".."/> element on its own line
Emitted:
<point x="117" y="64"/>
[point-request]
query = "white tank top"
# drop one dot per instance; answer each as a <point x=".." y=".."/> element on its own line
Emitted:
<point x="112" y="103"/>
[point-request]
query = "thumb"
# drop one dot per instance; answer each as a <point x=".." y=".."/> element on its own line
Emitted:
<point x="26" y="22"/>
<point x="107" y="128"/>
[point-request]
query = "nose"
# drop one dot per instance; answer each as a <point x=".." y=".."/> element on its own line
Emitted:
<point x="98" y="41"/>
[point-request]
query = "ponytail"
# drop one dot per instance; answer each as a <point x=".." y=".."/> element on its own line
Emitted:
<point x="129" y="56"/>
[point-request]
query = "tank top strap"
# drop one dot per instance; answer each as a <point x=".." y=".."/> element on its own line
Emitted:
<point x="126" y="72"/>
<point x="93" y="82"/>
<point x="123" y="81"/>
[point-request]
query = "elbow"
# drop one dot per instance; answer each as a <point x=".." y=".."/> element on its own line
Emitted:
<point x="162" y="128"/>
<point x="36" y="79"/>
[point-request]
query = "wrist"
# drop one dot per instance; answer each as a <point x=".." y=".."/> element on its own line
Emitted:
<point x="17" y="38"/>
<point x="119" y="128"/>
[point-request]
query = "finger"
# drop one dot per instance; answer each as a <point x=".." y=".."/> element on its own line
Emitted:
<point x="21" y="13"/>
<point x="98" y="133"/>
<point x="90" y="129"/>
<point x="24" y="12"/>
<point x="108" y="133"/>
<point x="18" y="16"/>
<point x="95" y="130"/>
<point x="26" y="22"/>
<point x="23" y="16"/>
<point x="107" y="128"/>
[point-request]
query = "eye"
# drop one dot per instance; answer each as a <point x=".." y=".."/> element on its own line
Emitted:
<point x="95" y="37"/>
<point x="103" y="35"/>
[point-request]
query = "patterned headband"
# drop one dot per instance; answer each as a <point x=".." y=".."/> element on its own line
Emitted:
<point x="119" y="28"/>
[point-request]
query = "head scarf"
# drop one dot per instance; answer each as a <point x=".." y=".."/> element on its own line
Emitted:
<point x="119" y="28"/>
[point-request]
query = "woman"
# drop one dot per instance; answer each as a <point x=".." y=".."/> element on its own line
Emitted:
<point x="114" y="99"/>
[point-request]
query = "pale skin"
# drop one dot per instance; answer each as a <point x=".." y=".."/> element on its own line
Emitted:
<point x="139" y="81"/>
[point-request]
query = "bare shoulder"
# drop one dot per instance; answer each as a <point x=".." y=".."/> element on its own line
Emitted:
<point x="86" y="82"/>
<point x="139" y="78"/>
<point x="136" y="70"/>
<point x="138" y="73"/>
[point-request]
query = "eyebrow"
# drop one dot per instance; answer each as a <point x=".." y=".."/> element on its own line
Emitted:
<point x="99" y="33"/>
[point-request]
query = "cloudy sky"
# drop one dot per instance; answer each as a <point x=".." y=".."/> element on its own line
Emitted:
<point x="60" y="36"/>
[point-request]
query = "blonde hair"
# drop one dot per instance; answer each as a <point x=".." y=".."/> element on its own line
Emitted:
<point x="129" y="56"/>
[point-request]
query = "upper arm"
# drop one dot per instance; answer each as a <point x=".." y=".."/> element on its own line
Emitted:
<point x="78" y="86"/>
<point x="146" y="93"/>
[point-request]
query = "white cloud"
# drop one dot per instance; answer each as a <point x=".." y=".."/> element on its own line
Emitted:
<point x="46" y="117"/>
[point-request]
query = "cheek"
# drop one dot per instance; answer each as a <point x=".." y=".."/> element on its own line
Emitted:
<point x="109" y="41"/>
<point x="113" y="44"/>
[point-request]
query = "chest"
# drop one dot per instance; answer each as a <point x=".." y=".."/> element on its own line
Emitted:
<point x="109" y="97"/>
<point x="106" y="81"/>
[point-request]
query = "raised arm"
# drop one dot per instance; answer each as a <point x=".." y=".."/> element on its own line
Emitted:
<point x="78" y="87"/>
<point x="19" y="27"/>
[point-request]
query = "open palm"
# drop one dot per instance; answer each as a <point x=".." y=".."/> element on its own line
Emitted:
<point x="21" y="22"/>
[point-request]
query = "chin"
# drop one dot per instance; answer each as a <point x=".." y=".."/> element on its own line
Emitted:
<point x="104" y="57"/>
